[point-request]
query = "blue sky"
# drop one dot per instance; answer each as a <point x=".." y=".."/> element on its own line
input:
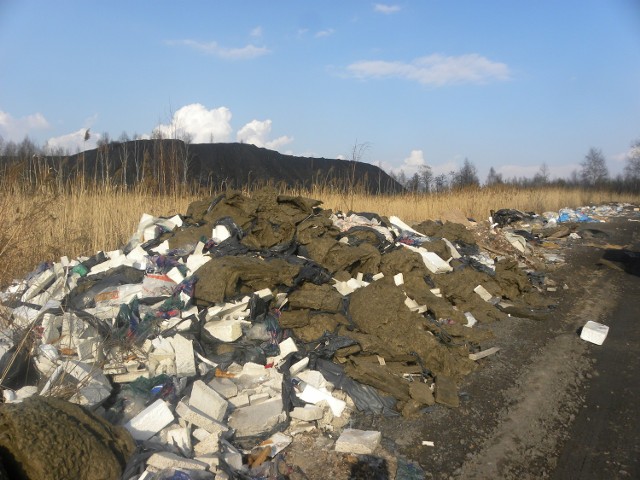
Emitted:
<point x="509" y="84"/>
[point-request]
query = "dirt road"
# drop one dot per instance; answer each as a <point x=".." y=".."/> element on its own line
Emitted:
<point x="548" y="405"/>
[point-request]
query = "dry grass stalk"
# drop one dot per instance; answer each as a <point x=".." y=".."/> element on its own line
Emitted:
<point x="43" y="226"/>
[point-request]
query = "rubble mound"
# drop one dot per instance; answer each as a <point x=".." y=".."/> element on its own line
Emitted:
<point x="48" y="438"/>
<point x="217" y="336"/>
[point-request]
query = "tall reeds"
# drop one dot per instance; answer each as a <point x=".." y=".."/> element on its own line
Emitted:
<point x="42" y="221"/>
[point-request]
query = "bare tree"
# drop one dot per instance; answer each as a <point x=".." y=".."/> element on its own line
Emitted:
<point x="413" y="184"/>
<point x="542" y="177"/>
<point x="494" y="178"/>
<point x="187" y="138"/>
<point x="467" y="176"/>
<point x="632" y="168"/>
<point x="594" y="168"/>
<point x="440" y="183"/>
<point x="124" y="156"/>
<point x="426" y="177"/>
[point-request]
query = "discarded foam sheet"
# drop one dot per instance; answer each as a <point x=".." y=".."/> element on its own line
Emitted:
<point x="594" y="332"/>
<point x="400" y="225"/>
<point x="431" y="260"/>
<point x="484" y="353"/>
<point x="150" y="421"/>
<point x="483" y="292"/>
<point x="311" y="394"/>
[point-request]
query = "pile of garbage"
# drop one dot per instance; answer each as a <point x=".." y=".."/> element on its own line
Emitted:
<point x="216" y="337"/>
<point x="526" y="231"/>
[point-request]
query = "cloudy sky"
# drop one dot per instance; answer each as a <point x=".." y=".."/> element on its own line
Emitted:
<point x="509" y="84"/>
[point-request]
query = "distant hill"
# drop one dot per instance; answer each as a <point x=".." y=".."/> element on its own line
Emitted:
<point x="232" y="165"/>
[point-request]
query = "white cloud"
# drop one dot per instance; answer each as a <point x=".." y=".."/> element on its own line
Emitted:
<point x="386" y="9"/>
<point x="415" y="159"/>
<point x="212" y="48"/>
<point x="325" y="33"/>
<point x="256" y="32"/>
<point x="445" y="168"/>
<point x="16" y="128"/>
<point x="411" y="164"/>
<point x="73" y="142"/>
<point x="257" y="133"/>
<point x="435" y="70"/>
<point x="200" y="123"/>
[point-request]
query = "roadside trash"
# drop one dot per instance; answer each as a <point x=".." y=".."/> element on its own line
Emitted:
<point x="594" y="332"/>
<point x="484" y="353"/>
<point x="215" y="337"/>
<point x="358" y="441"/>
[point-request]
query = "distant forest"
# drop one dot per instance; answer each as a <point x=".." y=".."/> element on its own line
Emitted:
<point x="166" y="165"/>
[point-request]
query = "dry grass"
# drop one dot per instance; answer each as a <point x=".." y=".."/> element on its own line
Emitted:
<point x="45" y="226"/>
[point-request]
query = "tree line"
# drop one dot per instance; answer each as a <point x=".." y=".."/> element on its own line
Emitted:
<point x="593" y="173"/>
<point x="167" y="167"/>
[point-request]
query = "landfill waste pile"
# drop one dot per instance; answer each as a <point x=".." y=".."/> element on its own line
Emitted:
<point x="217" y="337"/>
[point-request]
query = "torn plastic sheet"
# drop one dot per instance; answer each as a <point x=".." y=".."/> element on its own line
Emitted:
<point x="506" y="216"/>
<point x="366" y="398"/>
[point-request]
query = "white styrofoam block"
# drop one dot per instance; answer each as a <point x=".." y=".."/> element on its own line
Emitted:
<point x="224" y="386"/>
<point x="398" y="279"/>
<point x="314" y="378"/>
<point x="483" y="292"/>
<point x="181" y="438"/>
<point x="194" y="262"/>
<point x="241" y="400"/>
<point x="175" y="275"/>
<point x="308" y="413"/>
<point x="193" y="310"/>
<point x="163" y="248"/>
<point x="265" y="294"/>
<point x="167" y="460"/>
<point x="185" y="361"/>
<point x="225" y="330"/>
<point x="150" y="421"/>
<point x="431" y="260"/>
<point x="208" y="401"/>
<point x="362" y="442"/>
<point x="396" y="222"/>
<point x="452" y="249"/>
<point x="149" y="233"/>
<point x="256" y="419"/>
<point x="594" y="332"/>
<point x="176" y="220"/>
<point x="138" y="254"/>
<point x="299" y="366"/>
<point x="313" y="395"/>
<point x="343" y="288"/>
<point x="198" y="249"/>
<point x="210" y="444"/>
<point x="220" y="233"/>
<point x="199" y="419"/>
<point x="38" y="285"/>
<point x="471" y="320"/>
<point x="286" y="347"/>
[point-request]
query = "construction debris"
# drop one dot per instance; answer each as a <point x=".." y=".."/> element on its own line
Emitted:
<point x="216" y="337"/>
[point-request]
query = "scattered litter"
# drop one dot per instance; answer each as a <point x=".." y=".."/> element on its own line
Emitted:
<point x="363" y="442"/>
<point x="594" y="332"/>
<point x="484" y="353"/>
<point x="217" y="336"/>
<point x="428" y="443"/>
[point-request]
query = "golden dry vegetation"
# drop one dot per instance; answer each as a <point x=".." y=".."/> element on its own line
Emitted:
<point x="42" y="225"/>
